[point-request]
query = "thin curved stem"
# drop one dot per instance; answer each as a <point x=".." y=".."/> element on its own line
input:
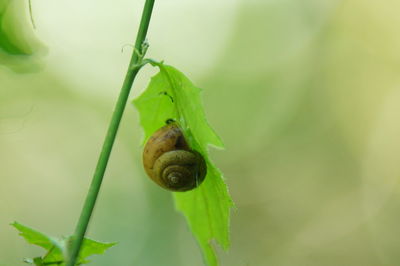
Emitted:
<point x="133" y="69"/>
<point x="31" y="14"/>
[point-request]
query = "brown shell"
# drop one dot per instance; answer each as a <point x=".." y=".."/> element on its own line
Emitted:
<point x="178" y="171"/>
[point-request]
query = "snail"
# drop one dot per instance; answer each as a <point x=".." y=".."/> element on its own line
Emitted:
<point x="169" y="161"/>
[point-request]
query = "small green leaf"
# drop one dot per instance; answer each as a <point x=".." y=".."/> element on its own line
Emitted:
<point x="91" y="247"/>
<point x="171" y="95"/>
<point x="34" y="237"/>
<point x="56" y="247"/>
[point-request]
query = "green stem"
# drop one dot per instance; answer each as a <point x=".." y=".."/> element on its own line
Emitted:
<point x="133" y="69"/>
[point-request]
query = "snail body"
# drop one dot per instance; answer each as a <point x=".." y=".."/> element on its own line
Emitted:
<point x="169" y="161"/>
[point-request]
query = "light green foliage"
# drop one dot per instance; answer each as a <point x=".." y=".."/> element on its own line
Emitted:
<point x="171" y="95"/>
<point x="57" y="247"/>
<point x="20" y="50"/>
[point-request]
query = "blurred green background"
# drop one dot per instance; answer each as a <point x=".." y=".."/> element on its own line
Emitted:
<point x="305" y="94"/>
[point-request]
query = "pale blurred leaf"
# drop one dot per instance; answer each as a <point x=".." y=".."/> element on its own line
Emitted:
<point x="20" y="50"/>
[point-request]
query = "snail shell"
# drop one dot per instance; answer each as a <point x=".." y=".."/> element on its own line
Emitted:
<point x="170" y="162"/>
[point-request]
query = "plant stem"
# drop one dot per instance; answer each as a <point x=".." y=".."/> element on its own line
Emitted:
<point x="133" y="69"/>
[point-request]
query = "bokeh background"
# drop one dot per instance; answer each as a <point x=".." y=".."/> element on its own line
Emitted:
<point x="305" y="94"/>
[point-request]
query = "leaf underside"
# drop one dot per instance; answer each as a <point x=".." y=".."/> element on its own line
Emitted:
<point x="171" y="95"/>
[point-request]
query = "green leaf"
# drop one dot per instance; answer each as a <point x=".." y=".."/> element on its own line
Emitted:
<point x="20" y="50"/>
<point x="34" y="237"/>
<point x="91" y="247"/>
<point x="171" y="95"/>
<point x="57" y="247"/>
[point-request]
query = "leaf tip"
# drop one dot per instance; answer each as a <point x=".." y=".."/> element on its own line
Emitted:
<point x="16" y="225"/>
